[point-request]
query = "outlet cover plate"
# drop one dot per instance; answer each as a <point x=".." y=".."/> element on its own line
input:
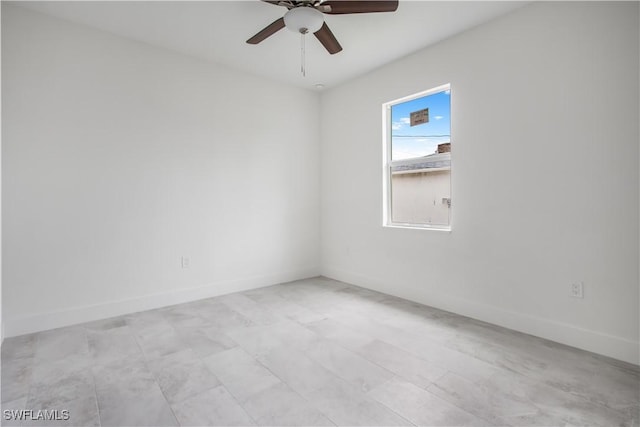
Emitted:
<point x="576" y="290"/>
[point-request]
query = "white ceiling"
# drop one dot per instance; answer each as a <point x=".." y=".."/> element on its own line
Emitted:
<point x="217" y="31"/>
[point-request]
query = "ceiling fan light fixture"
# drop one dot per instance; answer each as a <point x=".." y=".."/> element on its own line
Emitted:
<point x="303" y="20"/>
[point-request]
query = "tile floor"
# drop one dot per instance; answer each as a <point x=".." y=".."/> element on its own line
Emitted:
<point x="314" y="352"/>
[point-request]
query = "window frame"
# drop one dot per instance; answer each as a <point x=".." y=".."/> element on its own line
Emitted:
<point x="388" y="163"/>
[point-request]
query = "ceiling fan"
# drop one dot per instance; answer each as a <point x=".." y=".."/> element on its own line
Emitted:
<point x="306" y="16"/>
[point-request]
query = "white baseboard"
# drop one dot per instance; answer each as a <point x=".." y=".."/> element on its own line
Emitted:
<point x="73" y="316"/>
<point x="564" y="333"/>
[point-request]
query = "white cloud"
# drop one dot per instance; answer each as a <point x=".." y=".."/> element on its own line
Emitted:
<point x="438" y="117"/>
<point x="400" y="123"/>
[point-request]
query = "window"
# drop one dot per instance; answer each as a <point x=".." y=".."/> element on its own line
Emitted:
<point x="417" y="160"/>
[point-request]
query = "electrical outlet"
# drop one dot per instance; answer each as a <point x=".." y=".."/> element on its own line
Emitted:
<point x="185" y="262"/>
<point x="576" y="290"/>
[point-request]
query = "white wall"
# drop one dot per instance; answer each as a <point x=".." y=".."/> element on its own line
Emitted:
<point x="119" y="158"/>
<point x="419" y="197"/>
<point x="544" y="179"/>
<point x="1" y="321"/>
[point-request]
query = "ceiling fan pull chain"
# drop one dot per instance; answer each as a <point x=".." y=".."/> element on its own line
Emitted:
<point x="302" y="56"/>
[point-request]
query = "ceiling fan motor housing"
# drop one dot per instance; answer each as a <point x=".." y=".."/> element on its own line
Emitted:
<point x="303" y="19"/>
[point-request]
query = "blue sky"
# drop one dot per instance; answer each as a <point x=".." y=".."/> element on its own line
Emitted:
<point x="420" y="140"/>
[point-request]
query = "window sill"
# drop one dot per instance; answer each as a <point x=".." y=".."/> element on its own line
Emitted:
<point x="419" y="227"/>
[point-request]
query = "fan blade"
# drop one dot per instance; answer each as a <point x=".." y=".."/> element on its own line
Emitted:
<point x="276" y="2"/>
<point x="267" y="31"/>
<point x="327" y="39"/>
<point x="340" y="7"/>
